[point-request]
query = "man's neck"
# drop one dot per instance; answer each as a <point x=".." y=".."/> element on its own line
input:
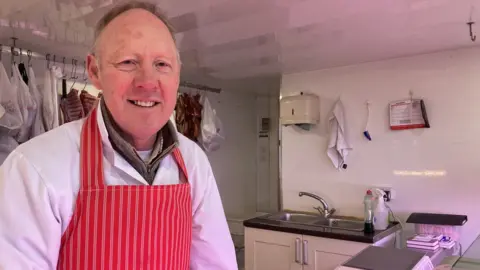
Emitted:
<point x="142" y="144"/>
<point x="139" y="144"/>
<point x="164" y="142"/>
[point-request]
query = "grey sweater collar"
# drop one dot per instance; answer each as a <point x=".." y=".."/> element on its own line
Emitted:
<point x="165" y="142"/>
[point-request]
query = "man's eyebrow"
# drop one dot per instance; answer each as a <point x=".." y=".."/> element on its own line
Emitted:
<point x="117" y="51"/>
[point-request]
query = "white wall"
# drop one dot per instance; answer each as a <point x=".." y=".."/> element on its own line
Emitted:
<point x="267" y="154"/>
<point x="234" y="164"/>
<point x="449" y="82"/>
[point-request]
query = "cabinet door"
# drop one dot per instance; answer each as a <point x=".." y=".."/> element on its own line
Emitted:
<point x="321" y="260"/>
<point x="328" y="254"/>
<point x="271" y="250"/>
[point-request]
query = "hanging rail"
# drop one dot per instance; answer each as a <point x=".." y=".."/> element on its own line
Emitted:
<point x="16" y="51"/>
<point x="200" y="87"/>
<point x="20" y="51"/>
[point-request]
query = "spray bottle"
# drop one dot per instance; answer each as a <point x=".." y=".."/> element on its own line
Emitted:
<point x="381" y="212"/>
<point x="368" y="201"/>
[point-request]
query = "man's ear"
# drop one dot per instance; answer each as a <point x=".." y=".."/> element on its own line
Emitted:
<point x="93" y="71"/>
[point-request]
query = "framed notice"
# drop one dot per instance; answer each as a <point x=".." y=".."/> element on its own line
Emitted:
<point x="408" y="114"/>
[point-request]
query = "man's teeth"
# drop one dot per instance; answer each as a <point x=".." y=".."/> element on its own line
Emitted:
<point x="144" y="103"/>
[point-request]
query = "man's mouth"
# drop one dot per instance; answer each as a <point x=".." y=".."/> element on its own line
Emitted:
<point x="143" y="104"/>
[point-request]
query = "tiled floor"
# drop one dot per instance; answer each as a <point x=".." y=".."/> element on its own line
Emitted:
<point x="240" y="250"/>
<point x="240" y="258"/>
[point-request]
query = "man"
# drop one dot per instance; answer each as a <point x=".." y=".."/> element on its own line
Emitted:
<point x="120" y="189"/>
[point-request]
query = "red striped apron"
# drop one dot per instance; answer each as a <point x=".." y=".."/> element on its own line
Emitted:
<point x="125" y="227"/>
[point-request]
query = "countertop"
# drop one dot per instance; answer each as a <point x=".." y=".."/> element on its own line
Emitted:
<point x="340" y="234"/>
<point x="470" y="258"/>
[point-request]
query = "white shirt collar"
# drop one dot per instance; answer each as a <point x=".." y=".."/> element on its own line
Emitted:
<point x="107" y="145"/>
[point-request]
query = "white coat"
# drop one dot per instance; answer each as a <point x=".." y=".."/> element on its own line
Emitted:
<point x="39" y="183"/>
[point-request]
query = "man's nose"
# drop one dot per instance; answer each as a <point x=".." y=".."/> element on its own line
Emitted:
<point x="146" y="77"/>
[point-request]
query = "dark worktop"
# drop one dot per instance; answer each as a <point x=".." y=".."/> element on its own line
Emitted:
<point x="470" y="258"/>
<point x="296" y="228"/>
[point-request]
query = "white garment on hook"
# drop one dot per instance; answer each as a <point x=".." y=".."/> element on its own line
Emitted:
<point x="16" y="81"/>
<point x="338" y="145"/>
<point x="12" y="119"/>
<point x="56" y="75"/>
<point x="47" y="100"/>
<point x="28" y="103"/>
<point x="50" y="99"/>
<point x="37" y="126"/>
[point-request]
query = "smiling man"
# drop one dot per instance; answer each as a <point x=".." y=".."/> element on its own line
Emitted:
<point x="120" y="189"/>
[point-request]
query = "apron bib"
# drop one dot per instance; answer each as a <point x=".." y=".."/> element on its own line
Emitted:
<point x="125" y="227"/>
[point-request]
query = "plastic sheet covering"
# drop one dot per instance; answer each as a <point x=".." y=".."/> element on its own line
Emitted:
<point x="12" y="119"/>
<point x="212" y="133"/>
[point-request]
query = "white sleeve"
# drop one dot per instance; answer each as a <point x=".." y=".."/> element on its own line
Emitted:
<point x="30" y="233"/>
<point x="212" y="245"/>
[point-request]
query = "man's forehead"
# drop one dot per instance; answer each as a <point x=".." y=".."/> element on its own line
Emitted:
<point x="135" y="24"/>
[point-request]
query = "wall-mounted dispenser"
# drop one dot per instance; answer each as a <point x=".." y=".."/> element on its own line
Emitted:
<point x="302" y="110"/>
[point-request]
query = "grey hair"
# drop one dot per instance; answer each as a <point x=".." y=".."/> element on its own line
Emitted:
<point x="120" y="9"/>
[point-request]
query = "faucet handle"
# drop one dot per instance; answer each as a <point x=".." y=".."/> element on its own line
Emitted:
<point x="319" y="209"/>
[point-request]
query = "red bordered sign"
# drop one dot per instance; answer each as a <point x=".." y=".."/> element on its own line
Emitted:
<point x="407" y="114"/>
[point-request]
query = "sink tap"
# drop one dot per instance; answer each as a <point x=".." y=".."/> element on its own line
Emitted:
<point x="326" y="211"/>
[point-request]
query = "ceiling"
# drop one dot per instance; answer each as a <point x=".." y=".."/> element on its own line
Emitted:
<point x="232" y="39"/>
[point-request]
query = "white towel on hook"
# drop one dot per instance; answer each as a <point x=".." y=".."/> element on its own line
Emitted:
<point x="338" y="145"/>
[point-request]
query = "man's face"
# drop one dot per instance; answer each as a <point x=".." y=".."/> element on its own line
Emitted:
<point x="136" y="67"/>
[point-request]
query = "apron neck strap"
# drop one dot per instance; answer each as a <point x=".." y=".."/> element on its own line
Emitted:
<point x="91" y="153"/>
<point x="177" y="155"/>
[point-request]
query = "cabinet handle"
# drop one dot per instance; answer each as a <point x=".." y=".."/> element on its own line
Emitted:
<point x="305" y="252"/>
<point x="298" y="251"/>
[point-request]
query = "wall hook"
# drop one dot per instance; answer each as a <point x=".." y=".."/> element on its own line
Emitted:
<point x="472" y="36"/>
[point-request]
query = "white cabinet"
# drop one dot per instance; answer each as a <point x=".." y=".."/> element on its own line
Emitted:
<point x="265" y="250"/>
<point x="326" y="253"/>
<point x="272" y="250"/>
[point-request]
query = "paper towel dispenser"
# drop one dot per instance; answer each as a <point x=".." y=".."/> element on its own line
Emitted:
<point x="302" y="109"/>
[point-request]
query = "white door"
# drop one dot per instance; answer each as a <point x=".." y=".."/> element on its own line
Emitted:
<point x="271" y="250"/>
<point x="263" y="156"/>
<point x="328" y="254"/>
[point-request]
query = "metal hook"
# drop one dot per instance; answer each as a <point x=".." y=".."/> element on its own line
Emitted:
<point x="84" y="70"/>
<point x="12" y="51"/>
<point x="47" y="57"/>
<point x="84" y="76"/>
<point x="29" y="56"/>
<point x="63" y="68"/>
<point x="472" y="36"/>
<point x="85" y="85"/>
<point x="74" y="71"/>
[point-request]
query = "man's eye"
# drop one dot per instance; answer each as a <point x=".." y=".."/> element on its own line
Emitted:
<point x="127" y="62"/>
<point x="127" y="65"/>
<point x="162" y="64"/>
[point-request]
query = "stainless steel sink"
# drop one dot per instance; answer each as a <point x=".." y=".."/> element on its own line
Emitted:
<point x="301" y="218"/>
<point x="317" y="220"/>
<point x="344" y="224"/>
